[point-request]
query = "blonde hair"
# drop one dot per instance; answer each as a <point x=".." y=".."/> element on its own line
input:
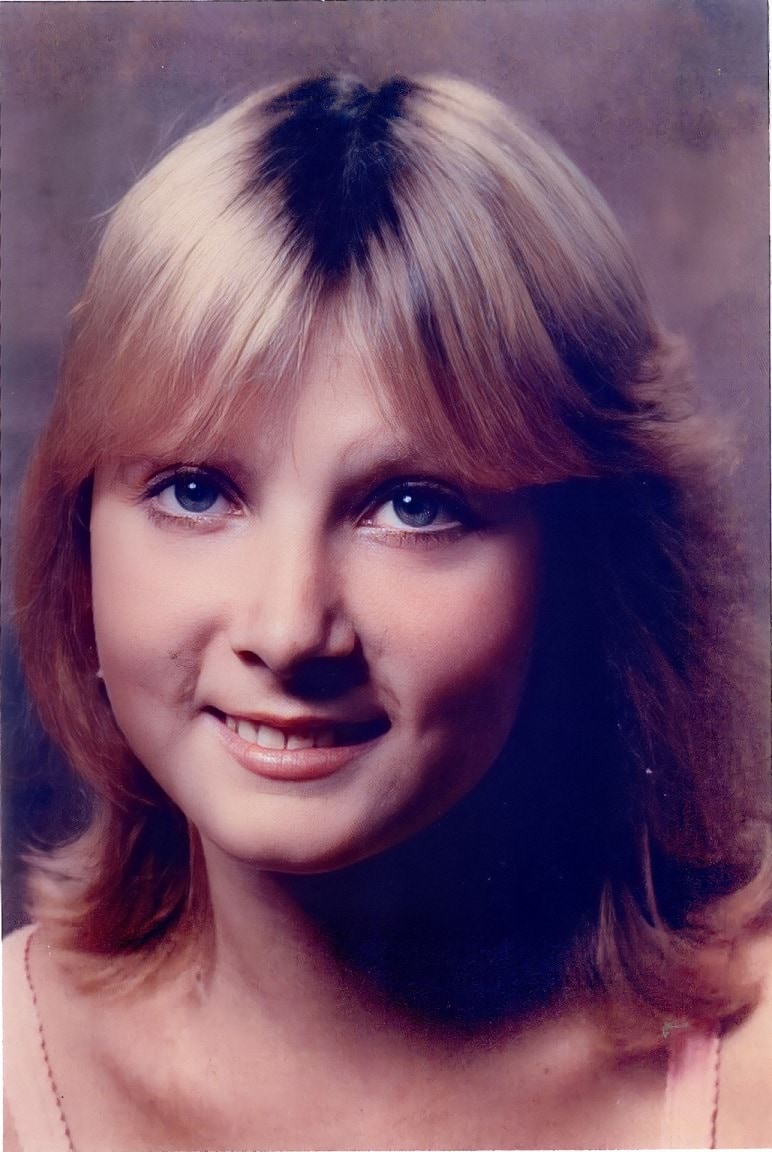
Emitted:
<point x="489" y="288"/>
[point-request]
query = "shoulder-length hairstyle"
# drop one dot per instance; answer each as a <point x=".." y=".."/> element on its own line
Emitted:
<point x="488" y="286"/>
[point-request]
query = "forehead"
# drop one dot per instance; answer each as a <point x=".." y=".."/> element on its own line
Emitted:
<point x="341" y="391"/>
<point x="339" y="411"/>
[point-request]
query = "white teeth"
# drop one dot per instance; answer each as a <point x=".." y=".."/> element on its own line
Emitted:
<point x="270" y="737"/>
<point x="247" y="731"/>
<point x="267" y="737"/>
<point x="300" y="742"/>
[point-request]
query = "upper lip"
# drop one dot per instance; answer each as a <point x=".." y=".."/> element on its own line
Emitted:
<point x="306" y="723"/>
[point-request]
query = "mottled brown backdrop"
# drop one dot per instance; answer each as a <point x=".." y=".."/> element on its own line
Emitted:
<point x="662" y="102"/>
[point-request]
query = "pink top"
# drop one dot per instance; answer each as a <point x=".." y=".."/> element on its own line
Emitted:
<point x="34" y="1110"/>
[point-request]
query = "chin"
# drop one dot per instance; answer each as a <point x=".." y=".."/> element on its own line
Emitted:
<point x="295" y="846"/>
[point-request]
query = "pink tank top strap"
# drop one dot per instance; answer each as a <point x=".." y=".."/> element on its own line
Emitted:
<point x="30" y="1098"/>
<point x="691" y="1092"/>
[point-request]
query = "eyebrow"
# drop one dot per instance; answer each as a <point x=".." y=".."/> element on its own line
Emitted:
<point x="360" y="456"/>
<point x="393" y="453"/>
<point x="360" y="462"/>
<point x="132" y="471"/>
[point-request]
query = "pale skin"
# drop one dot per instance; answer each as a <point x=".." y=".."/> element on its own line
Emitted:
<point x="208" y="599"/>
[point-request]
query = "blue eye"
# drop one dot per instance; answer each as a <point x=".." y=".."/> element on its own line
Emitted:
<point x="195" y="492"/>
<point x="191" y="493"/>
<point x="421" y="506"/>
<point x="417" y="509"/>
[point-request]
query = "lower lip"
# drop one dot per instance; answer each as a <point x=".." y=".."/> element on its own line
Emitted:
<point x="299" y="764"/>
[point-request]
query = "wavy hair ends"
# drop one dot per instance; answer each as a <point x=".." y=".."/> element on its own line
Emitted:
<point x="488" y="289"/>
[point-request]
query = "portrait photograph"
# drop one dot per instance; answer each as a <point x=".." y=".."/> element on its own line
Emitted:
<point x="385" y="575"/>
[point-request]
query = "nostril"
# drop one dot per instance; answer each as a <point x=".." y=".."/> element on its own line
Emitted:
<point x="250" y="658"/>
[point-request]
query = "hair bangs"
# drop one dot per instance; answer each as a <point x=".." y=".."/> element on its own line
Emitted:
<point x="222" y="318"/>
<point x="467" y="367"/>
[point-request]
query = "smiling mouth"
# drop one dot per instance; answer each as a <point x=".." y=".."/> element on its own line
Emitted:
<point x="301" y="752"/>
<point x="299" y="738"/>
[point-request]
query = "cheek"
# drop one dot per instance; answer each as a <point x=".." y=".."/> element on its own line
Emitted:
<point x="455" y="637"/>
<point x="150" y="620"/>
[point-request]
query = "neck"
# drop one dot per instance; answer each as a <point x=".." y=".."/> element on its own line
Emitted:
<point x="447" y="928"/>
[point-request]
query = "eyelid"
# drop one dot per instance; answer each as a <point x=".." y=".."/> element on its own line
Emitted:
<point x="166" y="475"/>
<point x="427" y="483"/>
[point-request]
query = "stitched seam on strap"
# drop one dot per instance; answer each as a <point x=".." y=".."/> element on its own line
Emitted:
<point x="44" y="1046"/>
<point x="716" y="1084"/>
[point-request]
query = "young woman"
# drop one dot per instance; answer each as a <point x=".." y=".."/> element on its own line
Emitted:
<point x="375" y="574"/>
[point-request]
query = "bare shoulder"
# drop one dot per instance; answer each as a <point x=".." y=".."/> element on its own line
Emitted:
<point x="19" y="1034"/>
<point x="30" y="969"/>
<point x="33" y="991"/>
<point x="14" y="947"/>
<point x="745" y="1086"/>
<point x="96" y="1044"/>
<point x="45" y="987"/>
<point x="78" y="997"/>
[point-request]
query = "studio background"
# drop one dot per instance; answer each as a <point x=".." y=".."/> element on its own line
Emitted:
<point x="662" y="103"/>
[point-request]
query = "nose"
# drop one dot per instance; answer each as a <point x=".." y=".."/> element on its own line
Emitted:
<point x="292" y="610"/>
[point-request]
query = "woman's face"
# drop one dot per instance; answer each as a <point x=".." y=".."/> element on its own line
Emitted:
<point x="315" y="640"/>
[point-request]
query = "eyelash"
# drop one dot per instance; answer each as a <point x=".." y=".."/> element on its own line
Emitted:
<point x="191" y="520"/>
<point x="448" y="502"/>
